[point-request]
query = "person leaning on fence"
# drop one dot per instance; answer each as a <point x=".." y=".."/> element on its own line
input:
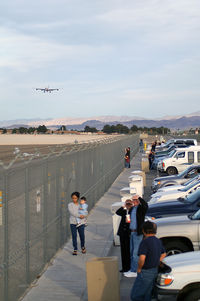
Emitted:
<point x="127" y="158"/>
<point x="124" y="235"/>
<point x="73" y="208"/>
<point x="151" y="253"/>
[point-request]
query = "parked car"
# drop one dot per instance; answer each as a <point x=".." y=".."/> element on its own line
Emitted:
<point x="176" y="141"/>
<point x="171" y="195"/>
<point x="179" y="233"/>
<point x="183" y="281"/>
<point x="169" y="149"/>
<point x="181" y="178"/>
<point x="159" y="158"/>
<point x="180" y="160"/>
<point x="176" y="187"/>
<point x="189" y="204"/>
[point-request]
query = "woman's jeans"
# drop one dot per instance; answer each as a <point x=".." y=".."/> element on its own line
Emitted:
<point x="143" y="285"/>
<point x="81" y="232"/>
<point x="127" y="164"/>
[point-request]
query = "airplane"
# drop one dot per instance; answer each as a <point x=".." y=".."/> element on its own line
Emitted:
<point x="46" y="89"/>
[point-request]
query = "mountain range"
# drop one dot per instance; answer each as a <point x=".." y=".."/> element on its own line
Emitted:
<point x="180" y="121"/>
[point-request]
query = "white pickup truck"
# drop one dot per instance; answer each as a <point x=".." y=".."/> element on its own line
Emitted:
<point x="181" y="159"/>
<point x="183" y="281"/>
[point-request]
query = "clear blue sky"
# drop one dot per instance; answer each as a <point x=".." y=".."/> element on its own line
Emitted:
<point x="109" y="57"/>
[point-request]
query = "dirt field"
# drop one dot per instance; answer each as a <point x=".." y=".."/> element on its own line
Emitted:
<point x="25" y="146"/>
<point x="16" y="139"/>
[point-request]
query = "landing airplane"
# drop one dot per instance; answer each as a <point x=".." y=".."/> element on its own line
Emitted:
<point x="46" y="89"/>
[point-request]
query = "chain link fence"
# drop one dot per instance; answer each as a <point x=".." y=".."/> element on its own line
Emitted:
<point x="34" y="194"/>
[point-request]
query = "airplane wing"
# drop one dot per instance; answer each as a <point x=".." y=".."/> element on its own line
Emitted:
<point x="40" y="89"/>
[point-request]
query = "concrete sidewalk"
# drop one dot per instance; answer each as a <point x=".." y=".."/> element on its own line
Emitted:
<point x="127" y="283"/>
<point x="65" y="277"/>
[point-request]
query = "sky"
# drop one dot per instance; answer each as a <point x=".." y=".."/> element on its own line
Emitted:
<point x="107" y="57"/>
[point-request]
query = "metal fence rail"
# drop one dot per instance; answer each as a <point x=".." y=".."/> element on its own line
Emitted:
<point x="33" y="205"/>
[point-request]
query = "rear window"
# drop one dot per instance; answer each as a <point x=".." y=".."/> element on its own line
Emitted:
<point x="179" y="142"/>
<point x="190" y="157"/>
<point x="192" y="173"/>
<point x="189" y="142"/>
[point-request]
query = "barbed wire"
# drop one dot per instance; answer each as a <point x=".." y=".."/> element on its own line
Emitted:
<point x="20" y="156"/>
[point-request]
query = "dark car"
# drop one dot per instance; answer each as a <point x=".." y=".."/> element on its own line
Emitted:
<point x="169" y="149"/>
<point x="170" y="142"/>
<point x="190" y="172"/>
<point x="189" y="204"/>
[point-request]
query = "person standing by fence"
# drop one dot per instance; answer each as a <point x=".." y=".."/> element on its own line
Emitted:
<point x="127" y="157"/>
<point x="73" y="208"/>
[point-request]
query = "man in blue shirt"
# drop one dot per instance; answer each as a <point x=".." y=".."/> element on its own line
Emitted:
<point x="151" y="253"/>
<point x="137" y="215"/>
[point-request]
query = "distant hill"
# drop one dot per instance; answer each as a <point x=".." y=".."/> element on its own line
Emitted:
<point x="182" y="122"/>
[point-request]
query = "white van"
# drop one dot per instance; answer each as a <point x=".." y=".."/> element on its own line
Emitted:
<point x="181" y="159"/>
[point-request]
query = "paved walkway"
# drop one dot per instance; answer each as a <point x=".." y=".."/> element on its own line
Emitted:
<point x="65" y="278"/>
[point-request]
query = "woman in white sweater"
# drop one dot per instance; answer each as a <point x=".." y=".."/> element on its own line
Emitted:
<point x="73" y="208"/>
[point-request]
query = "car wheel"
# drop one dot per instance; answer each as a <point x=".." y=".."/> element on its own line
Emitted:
<point x="193" y="295"/>
<point x="171" y="170"/>
<point x="173" y="248"/>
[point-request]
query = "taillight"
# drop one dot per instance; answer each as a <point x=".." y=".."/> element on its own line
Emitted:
<point x="163" y="164"/>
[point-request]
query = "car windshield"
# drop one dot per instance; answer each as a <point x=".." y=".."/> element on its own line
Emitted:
<point x="196" y="215"/>
<point x="190" y="198"/>
<point x="172" y="153"/>
<point x="191" y="180"/>
<point x="185" y="172"/>
<point x="171" y="148"/>
<point x="189" y="186"/>
<point x="168" y="143"/>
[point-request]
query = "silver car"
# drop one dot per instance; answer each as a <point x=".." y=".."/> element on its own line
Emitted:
<point x="179" y="233"/>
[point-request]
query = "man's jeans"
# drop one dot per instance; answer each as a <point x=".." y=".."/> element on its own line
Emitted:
<point x="143" y="285"/>
<point x="81" y="233"/>
<point x="134" y="245"/>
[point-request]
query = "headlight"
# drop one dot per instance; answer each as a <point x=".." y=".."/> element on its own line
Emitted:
<point x="155" y="183"/>
<point x="164" y="279"/>
<point x="154" y="199"/>
<point x="149" y="218"/>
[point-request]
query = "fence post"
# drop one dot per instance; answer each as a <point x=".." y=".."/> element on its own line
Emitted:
<point x="5" y="225"/>
<point x="61" y="205"/>
<point x="58" y="212"/>
<point x="27" y="225"/>
<point x="45" y="185"/>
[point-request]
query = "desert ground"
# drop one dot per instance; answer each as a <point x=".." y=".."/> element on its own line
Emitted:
<point x="17" y="139"/>
<point x="12" y="145"/>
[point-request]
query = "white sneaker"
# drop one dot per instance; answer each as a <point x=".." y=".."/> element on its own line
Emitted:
<point x="130" y="274"/>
